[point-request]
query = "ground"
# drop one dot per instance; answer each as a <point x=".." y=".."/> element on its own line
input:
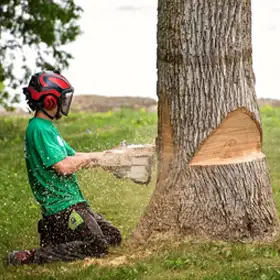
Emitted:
<point x="123" y="202"/>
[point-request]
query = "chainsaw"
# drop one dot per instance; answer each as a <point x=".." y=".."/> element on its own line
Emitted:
<point x="132" y="161"/>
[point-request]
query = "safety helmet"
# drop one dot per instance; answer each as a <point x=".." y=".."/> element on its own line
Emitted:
<point x="48" y="89"/>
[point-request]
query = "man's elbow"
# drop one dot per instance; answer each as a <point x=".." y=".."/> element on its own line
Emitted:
<point x="63" y="169"/>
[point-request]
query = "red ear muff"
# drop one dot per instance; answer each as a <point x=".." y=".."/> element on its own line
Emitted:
<point x="50" y="102"/>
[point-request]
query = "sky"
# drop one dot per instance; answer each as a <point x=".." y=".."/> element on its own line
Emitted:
<point x="116" y="55"/>
<point x="266" y="47"/>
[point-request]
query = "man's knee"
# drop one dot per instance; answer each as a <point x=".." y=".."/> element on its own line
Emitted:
<point x="114" y="238"/>
<point x="111" y="233"/>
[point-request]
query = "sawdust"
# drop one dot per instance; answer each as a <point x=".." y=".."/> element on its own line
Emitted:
<point x="155" y="244"/>
<point x="116" y="261"/>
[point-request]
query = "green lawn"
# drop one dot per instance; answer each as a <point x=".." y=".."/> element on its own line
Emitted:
<point x="123" y="202"/>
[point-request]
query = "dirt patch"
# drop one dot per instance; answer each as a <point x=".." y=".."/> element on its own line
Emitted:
<point x="268" y="101"/>
<point x="98" y="103"/>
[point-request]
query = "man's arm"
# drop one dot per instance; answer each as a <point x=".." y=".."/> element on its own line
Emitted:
<point x="91" y="154"/>
<point x="71" y="164"/>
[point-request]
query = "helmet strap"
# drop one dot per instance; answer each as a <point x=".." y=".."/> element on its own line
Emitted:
<point x="46" y="113"/>
<point x="57" y="112"/>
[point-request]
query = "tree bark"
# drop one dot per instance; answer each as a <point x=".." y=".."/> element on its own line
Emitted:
<point x="205" y="73"/>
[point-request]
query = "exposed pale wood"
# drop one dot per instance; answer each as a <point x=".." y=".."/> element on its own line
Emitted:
<point x="165" y="140"/>
<point x="229" y="160"/>
<point x="237" y="139"/>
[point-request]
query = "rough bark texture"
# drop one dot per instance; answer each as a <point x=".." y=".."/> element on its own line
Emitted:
<point x="204" y="73"/>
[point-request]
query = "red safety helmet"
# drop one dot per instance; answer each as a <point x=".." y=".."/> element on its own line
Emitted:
<point x="49" y="89"/>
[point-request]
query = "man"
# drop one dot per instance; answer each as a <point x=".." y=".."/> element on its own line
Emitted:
<point x="69" y="229"/>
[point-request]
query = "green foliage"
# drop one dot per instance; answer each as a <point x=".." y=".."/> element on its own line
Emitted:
<point x="43" y="26"/>
<point x="123" y="202"/>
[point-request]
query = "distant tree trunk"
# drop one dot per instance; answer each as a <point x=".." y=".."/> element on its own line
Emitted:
<point x="213" y="179"/>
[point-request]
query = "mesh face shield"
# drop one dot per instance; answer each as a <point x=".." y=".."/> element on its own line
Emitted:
<point x="66" y="100"/>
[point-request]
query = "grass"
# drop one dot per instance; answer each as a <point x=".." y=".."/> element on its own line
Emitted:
<point x="123" y="202"/>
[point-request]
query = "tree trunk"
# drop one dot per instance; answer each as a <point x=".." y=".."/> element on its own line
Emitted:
<point x="213" y="179"/>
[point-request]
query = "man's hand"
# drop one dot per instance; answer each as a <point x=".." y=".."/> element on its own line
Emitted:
<point x="94" y="158"/>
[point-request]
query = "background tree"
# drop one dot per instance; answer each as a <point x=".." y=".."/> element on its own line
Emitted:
<point x="213" y="179"/>
<point x="40" y="27"/>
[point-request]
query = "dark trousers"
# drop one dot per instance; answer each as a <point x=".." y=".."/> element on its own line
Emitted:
<point x="75" y="233"/>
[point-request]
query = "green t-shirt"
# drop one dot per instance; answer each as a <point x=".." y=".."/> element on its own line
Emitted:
<point x="44" y="147"/>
